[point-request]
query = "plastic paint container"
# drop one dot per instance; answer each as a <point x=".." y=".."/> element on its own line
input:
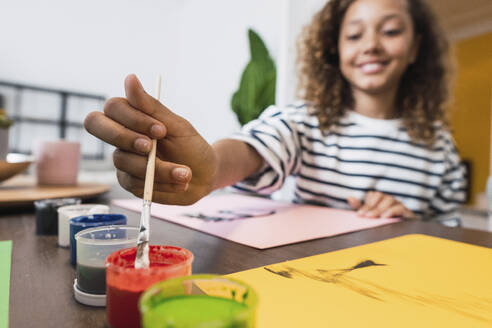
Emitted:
<point x="47" y="215"/>
<point x="65" y="213"/>
<point x="125" y="284"/>
<point x="93" y="247"/>
<point x="199" y="301"/>
<point x="83" y="222"/>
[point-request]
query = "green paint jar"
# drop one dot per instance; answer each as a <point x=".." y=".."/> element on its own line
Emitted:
<point x="210" y="301"/>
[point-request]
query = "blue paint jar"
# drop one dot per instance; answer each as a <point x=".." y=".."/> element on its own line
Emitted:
<point x="83" y="222"/>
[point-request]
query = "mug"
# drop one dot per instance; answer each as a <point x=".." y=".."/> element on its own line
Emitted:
<point x="57" y="162"/>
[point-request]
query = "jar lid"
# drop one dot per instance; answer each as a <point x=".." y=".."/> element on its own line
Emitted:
<point x="88" y="299"/>
<point x="55" y="203"/>
<point x="95" y="220"/>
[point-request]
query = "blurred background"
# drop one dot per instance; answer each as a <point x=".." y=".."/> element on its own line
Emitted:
<point x="60" y="60"/>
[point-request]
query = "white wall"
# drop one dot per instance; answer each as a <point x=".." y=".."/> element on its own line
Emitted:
<point x="296" y="14"/>
<point x="213" y="51"/>
<point x="199" y="47"/>
<point x="86" y="45"/>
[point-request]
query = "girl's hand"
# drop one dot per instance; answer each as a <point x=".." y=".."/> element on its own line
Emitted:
<point x="186" y="165"/>
<point x="376" y="204"/>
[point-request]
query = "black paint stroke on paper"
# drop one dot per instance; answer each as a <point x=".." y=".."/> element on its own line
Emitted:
<point x="230" y="215"/>
<point x="341" y="278"/>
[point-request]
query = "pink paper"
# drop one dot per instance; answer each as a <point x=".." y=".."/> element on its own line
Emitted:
<point x="290" y="223"/>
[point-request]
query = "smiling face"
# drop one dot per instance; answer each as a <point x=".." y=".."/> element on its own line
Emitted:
<point x="376" y="45"/>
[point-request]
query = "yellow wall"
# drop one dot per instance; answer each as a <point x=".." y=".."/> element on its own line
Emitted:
<point x="471" y="115"/>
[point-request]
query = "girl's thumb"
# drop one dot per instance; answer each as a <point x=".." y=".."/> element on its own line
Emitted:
<point x="136" y="95"/>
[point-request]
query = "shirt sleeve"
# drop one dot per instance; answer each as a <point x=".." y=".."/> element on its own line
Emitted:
<point x="451" y="194"/>
<point x="274" y="136"/>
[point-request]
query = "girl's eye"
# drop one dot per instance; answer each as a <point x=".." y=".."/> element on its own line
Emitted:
<point x="353" y="37"/>
<point x="392" y="32"/>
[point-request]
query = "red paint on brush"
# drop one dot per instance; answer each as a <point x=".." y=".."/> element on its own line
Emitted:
<point x="125" y="284"/>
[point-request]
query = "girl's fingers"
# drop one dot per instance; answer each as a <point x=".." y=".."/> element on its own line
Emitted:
<point x="398" y="210"/>
<point x="378" y="204"/>
<point x="354" y="203"/>
<point x="109" y="131"/>
<point x="141" y="100"/>
<point x="165" y="172"/>
<point x="372" y="200"/>
<point x="136" y="185"/>
<point x="119" y="110"/>
<point x="129" y="124"/>
<point x="386" y="202"/>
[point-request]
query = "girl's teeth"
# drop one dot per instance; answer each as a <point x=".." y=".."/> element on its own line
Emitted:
<point x="372" y="67"/>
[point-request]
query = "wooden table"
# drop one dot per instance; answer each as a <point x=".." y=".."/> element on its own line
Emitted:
<point x="41" y="293"/>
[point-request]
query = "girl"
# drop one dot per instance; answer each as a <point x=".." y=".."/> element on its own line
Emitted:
<point x="372" y="134"/>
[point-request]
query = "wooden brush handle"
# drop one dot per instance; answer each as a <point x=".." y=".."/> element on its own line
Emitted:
<point x="142" y="258"/>
<point x="149" y="174"/>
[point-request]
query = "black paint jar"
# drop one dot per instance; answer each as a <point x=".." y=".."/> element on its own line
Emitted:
<point x="47" y="214"/>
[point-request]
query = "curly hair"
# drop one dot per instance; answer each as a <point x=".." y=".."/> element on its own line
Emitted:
<point x="424" y="86"/>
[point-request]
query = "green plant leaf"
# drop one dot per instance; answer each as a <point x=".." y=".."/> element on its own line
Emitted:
<point x="5" y="122"/>
<point x="257" y="47"/>
<point x="257" y="85"/>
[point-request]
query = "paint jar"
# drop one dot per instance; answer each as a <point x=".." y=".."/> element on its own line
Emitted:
<point x="93" y="247"/>
<point x="47" y="214"/>
<point x="83" y="222"/>
<point x="65" y="213"/>
<point x="125" y="284"/>
<point x="199" y="301"/>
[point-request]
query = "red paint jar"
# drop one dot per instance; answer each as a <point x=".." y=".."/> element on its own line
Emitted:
<point x="125" y="284"/>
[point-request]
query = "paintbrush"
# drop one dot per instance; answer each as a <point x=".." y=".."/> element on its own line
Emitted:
<point x="142" y="258"/>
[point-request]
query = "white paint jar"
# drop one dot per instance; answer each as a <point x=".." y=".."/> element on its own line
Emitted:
<point x="65" y="213"/>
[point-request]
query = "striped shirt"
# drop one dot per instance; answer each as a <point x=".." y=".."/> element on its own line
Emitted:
<point x="358" y="154"/>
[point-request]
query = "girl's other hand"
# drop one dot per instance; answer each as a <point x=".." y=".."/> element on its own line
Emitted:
<point x="377" y="204"/>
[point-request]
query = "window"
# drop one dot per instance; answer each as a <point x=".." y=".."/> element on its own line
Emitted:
<point x="49" y="114"/>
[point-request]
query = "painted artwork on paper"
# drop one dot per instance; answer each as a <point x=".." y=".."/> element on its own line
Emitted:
<point x="219" y="215"/>
<point x="259" y="222"/>
<point x="409" y="281"/>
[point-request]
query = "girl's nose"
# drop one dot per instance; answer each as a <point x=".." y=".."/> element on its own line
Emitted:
<point x="371" y="43"/>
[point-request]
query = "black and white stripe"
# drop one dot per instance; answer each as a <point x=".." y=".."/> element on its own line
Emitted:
<point x="358" y="155"/>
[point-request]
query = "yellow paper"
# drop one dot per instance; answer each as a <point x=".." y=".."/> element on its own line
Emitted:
<point x="220" y="288"/>
<point x="411" y="281"/>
